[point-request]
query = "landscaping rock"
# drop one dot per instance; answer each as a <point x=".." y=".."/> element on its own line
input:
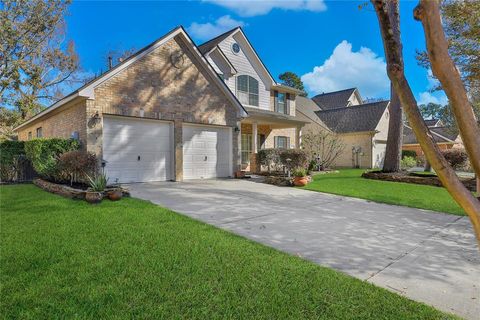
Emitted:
<point x="60" y="189"/>
<point x="407" y="178"/>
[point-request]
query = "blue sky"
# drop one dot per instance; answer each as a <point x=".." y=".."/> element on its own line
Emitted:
<point x="332" y="45"/>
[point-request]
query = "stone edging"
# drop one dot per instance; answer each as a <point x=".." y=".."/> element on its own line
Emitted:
<point x="60" y="189"/>
<point x="401" y="177"/>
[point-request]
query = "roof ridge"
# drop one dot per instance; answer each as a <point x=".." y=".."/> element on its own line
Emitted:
<point x="331" y="92"/>
<point x="219" y="36"/>
<point x="354" y="106"/>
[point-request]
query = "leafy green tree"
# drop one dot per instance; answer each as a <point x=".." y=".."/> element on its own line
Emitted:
<point x="292" y="80"/>
<point x="461" y="22"/>
<point x="36" y="63"/>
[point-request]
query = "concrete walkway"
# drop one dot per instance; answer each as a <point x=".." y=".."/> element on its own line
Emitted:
<point x="429" y="257"/>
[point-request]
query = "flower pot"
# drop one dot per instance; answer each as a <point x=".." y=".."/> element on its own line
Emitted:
<point x="93" y="196"/>
<point x="240" y="174"/>
<point x="300" y="181"/>
<point x="115" y="194"/>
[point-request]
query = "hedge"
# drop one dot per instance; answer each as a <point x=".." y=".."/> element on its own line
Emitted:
<point x="277" y="159"/>
<point x="10" y="153"/>
<point x="44" y="155"/>
<point x="409" y="153"/>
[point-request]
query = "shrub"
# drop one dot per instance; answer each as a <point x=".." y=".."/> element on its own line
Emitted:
<point x="408" y="162"/>
<point x="11" y="153"/>
<point x="269" y="158"/>
<point x="44" y="154"/>
<point x="293" y="158"/>
<point x="409" y="153"/>
<point x="457" y="158"/>
<point x="299" y="172"/>
<point x="77" y="165"/>
<point x="98" y="183"/>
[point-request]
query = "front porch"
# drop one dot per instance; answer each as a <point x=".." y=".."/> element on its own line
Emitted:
<point x="264" y="130"/>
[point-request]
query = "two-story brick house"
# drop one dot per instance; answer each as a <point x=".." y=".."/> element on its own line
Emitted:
<point x="175" y="111"/>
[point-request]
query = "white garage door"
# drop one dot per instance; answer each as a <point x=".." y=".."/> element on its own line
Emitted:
<point x="207" y="152"/>
<point x="137" y="150"/>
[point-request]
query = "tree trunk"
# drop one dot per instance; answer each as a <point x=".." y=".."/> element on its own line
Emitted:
<point x="393" y="153"/>
<point x="396" y="73"/>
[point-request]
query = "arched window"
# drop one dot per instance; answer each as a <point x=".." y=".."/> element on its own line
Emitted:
<point x="247" y="90"/>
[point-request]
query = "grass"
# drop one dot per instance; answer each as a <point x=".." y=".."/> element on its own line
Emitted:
<point x="349" y="182"/>
<point x="131" y="259"/>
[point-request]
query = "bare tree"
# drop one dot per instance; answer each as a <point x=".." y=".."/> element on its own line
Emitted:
<point x="322" y="146"/>
<point x="445" y="70"/>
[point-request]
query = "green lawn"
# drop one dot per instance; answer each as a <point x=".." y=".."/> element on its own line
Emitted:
<point x="131" y="259"/>
<point x="349" y="182"/>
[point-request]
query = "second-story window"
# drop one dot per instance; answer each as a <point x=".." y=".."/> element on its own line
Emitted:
<point x="247" y="90"/>
<point x="281" y="103"/>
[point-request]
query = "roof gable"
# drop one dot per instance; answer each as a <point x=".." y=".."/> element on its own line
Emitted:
<point x="253" y="58"/>
<point x="87" y="90"/>
<point x="360" y="118"/>
<point x="336" y="99"/>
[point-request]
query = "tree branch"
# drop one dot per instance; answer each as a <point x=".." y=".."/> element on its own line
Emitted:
<point x="444" y="69"/>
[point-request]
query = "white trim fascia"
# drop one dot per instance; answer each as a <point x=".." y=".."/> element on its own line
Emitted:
<point x="55" y="106"/>
<point x="221" y="84"/>
<point x="260" y="62"/>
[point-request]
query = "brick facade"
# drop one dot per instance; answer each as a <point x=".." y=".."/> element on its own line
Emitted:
<point x="60" y="123"/>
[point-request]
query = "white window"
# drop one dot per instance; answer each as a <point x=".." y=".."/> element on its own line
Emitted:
<point x="282" y="142"/>
<point x="246" y="147"/>
<point x="281" y="102"/>
<point x="39" y="132"/>
<point x="247" y="90"/>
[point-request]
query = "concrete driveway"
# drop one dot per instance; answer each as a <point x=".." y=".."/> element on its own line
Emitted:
<point x="429" y="257"/>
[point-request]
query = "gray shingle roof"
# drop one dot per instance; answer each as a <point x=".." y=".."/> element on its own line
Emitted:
<point x="332" y="100"/>
<point x="438" y="133"/>
<point x="431" y="122"/>
<point x="210" y="44"/>
<point x="308" y="108"/>
<point x="363" y="117"/>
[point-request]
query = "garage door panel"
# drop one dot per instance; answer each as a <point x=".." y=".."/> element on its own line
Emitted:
<point x="125" y="139"/>
<point x="206" y="152"/>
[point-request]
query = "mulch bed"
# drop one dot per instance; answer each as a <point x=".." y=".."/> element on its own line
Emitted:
<point x="76" y="192"/>
<point x="469" y="183"/>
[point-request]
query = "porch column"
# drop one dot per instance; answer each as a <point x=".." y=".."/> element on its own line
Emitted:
<point x="298" y="137"/>
<point x="254" y="137"/>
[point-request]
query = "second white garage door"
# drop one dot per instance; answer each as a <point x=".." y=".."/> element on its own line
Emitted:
<point x="137" y="150"/>
<point x="207" y="152"/>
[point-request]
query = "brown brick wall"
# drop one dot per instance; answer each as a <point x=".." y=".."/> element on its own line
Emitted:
<point x="165" y="92"/>
<point x="60" y="123"/>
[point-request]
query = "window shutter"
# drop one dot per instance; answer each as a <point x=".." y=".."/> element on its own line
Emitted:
<point x="288" y="143"/>
<point x="275" y="142"/>
<point x="275" y="100"/>
<point x="287" y="103"/>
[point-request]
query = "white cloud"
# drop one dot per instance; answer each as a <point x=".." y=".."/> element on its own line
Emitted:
<point x="260" y="7"/>
<point x="438" y="97"/>
<point x="345" y="69"/>
<point x="206" y="31"/>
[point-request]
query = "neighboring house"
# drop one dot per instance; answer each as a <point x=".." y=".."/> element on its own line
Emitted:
<point x="176" y="111"/>
<point x="362" y="127"/>
<point x="445" y="137"/>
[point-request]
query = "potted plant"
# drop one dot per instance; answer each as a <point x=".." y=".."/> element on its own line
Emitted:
<point x="300" y="177"/>
<point x="115" y="193"/>
<point x="98" y="183"/>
